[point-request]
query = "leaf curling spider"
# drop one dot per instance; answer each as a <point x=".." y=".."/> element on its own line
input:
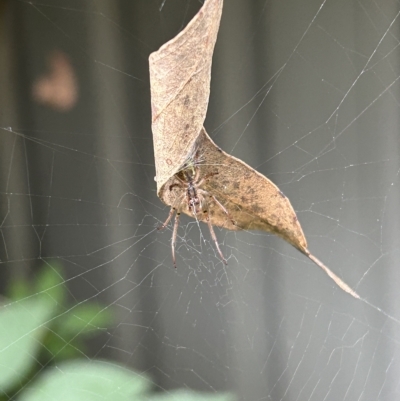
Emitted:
<point x="189" y="181"/>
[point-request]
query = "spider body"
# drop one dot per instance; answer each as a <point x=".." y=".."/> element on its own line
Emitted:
<point x="188" y="178"/>
<point x="190" y="194"/>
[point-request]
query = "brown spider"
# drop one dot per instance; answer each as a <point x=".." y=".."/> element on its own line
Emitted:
<point x="194" y="198"/>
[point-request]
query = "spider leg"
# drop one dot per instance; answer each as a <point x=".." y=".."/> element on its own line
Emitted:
<point x="206" y="177"/>
<point x="181" y="183"/>
<point x="212" y="232"/>
<point x="171" y="213"/>
<point x="214" y="237"/>
<point x="177" y="209"/>
<point x="174" y="234"/>
<point x="223" y="209"/>
<point x="205" y="193"/>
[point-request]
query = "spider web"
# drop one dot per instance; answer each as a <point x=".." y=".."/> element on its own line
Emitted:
<point x="306" y="92"/>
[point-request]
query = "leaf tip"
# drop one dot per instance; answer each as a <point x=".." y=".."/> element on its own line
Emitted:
<point x="332" y="275"/>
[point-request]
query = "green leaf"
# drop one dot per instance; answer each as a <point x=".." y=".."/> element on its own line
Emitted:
<point x="50" y="282"/>
<point x="84" y="318"/>
<point x="186" y="395"/>
<point x="18" y="289"/>
<point x="22" y="326"/>
<point x="57" y="348"/>
<point x="87" y="381"/>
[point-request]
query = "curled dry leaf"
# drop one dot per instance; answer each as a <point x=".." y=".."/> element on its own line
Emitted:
<point x="194" y="175"/>
<point x="180" y="74"/>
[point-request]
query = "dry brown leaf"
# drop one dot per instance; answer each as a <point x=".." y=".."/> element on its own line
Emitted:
<point x="58" y="88"/>
<point x="194" y="175"/>
<point x="180" y="74"/>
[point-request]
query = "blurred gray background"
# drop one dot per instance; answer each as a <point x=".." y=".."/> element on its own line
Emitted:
<point x="307" y="92"/>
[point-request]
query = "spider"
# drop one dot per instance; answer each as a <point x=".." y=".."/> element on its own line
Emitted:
<point x="192" y="196"/>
